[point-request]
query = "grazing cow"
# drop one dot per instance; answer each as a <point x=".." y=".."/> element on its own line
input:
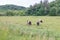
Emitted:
<point x="41" y="21"/>
<point x="38" y="23"/>
<point x="29" y="22"/>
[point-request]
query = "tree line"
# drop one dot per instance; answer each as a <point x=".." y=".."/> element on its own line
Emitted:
<point x="38" y="9"/>
<point x="45" y="8"/>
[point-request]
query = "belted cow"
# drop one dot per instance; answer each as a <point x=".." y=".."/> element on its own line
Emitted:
<point x="39" y="22"/>
<point x="29" y="22"/>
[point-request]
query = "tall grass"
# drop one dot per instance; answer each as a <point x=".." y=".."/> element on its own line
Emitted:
<point x="15" y="28"/>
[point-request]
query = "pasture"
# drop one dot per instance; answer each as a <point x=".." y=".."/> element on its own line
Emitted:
<point x="16" y="28"/>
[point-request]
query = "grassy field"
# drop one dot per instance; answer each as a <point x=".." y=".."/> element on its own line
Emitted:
<point x="16" y="28"/>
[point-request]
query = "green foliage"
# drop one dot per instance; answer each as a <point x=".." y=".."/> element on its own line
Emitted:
<point x="12" y="10"/>
<point x="10" y="13"/>
<point x="13" y="13"/>
<point x="58" y="11"/>
<point x="53" y="11"/>
<point x="12" y="7"/>
<point x="39" y="9"/>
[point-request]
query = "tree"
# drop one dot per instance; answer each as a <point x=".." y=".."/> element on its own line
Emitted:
<point x="58" y="12"/>
<point x="53" y="11"/>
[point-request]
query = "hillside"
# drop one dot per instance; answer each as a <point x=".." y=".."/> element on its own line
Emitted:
<point x="6" y="10"/>
<point x="11" y="7"/>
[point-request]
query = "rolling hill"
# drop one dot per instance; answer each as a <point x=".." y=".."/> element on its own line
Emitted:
<point x="11" y="7"/>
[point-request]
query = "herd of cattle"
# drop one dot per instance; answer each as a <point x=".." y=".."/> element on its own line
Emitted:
<point x="37" y="23"/>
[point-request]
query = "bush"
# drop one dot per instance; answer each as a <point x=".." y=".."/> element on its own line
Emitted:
<point x="14" y="13"/>
<point x="9" y="13"/>
<point x="53" y="11"/>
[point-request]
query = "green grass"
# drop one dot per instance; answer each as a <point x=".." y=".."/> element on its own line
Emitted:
<point x="16" y="28"/>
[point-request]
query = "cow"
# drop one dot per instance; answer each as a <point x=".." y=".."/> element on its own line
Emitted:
<point x="39" y="22"/>
<point x="29" y="22"/>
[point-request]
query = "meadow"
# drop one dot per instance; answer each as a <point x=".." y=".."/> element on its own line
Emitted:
<point x="16" y="28"/>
